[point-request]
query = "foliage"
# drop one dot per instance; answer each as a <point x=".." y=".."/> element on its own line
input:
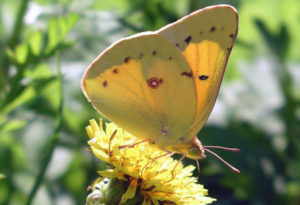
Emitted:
<point x="45" y="48"/>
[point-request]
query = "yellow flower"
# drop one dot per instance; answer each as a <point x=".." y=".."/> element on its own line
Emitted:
<point x="147" y="171"/>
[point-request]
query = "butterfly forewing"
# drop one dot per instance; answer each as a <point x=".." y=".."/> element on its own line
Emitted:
<point x="205" y="39"/>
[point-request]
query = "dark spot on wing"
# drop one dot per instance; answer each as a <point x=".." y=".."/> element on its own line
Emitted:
<point x="164" y="131"/>
<point x="201" y="33"/>
<point x="188" y="39"/>
<point x="154" y="53"/>
<point x="213" y="29"/>
<point x="231" y="35"/>
<point x="141" y="56"/>
<point x="104" y="83"/>
<point x="188" y="74"/>
<point x="203" y="77"/>
<point x="170" y="58"/>
<point x="177" y="45"/>
<point x="127" y="59"/>
<point x="115" y="71"/>
<point x="182" y="138"/>
<point x="229" y="49"/>
<point x="154" y="82"/>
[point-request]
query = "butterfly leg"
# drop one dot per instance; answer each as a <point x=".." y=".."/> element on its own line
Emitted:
<point x="198" y="167"/>
<point x="180" y="160"/>
<point x="110" y="140"/>
<point x="134" y="144"/>
<point x="169" y="154"/>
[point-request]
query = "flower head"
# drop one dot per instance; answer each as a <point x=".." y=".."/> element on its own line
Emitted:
<point x="147" y="172"/>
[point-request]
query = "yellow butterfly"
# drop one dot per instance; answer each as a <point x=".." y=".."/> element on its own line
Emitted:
<point x="162" y="85"/>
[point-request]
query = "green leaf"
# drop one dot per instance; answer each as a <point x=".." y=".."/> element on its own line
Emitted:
<point x="116" y="6"/>
<point x="35" y="42"/>
<point x="13" y="125"/>
<point x="53" y="37"/>
<point x="21" y="53"/>
<point x="67" y="23"/>
<point x="2" y="176"/>
<point x="58" y="29"/>
<point x="18" y="55"/>
<point x="10" y="53"/>
<point x="40" y="71"/>
<point x="37" y="86"/>
<point x="24" y="96"/>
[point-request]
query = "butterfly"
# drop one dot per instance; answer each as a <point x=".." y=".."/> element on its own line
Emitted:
<point x="161" y="86"/>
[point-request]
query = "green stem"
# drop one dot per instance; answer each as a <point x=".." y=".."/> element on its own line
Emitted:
<point x="12" y="42"/>
<point x="18" y="26"/>
<point x="54" y="139"/>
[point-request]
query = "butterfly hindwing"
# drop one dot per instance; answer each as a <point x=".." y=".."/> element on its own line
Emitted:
<point x="142" y="83"/>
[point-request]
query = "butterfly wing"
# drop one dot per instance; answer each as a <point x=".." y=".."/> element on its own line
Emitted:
<point x="205" y="39"/>
<point x="140" y="84"/>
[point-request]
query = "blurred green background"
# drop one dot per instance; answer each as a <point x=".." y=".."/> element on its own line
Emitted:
<point x="45" y="46"/>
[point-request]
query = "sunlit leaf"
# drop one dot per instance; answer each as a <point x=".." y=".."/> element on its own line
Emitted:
<point x="117" y="5"/>
<point x="53" y="36"/>
<point x="13" y="125"/>
<point x="67" y="23"/>
<point x="35" y="42"/>
<point x="2" y="176"/>
<point x="40" y="71"/>
<point x="58" y="29"/>
<point x="24" y="96"/>
<point x="21" y="53"/>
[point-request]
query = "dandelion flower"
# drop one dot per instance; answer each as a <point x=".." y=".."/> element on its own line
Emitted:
<point x="141" y="173"/>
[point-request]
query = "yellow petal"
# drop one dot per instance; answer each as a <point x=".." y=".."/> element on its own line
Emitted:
<point x="146" y="201"/>
<point x="130" y="193"/>
<point x="109" y="173"/>
<point x="90" y="132"/>
<point x="100" y="154"/>
<point x="155" y="202"/>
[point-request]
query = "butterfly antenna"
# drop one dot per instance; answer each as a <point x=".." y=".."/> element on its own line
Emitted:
<point x="235" y="170"/>
<point x="223" y="148"/>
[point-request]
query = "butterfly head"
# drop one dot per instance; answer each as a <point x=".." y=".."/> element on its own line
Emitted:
<point x="196" y="151"/>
